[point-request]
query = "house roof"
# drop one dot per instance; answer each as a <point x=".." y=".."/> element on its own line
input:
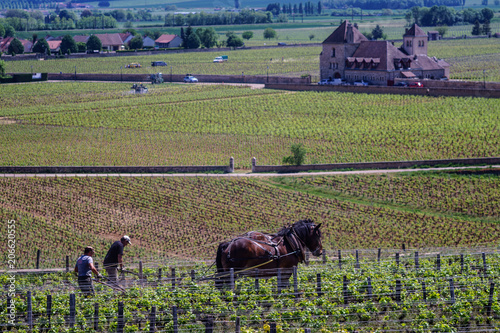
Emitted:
<point x="124" y="35"/>
<point x="54" y="44"/>
<point x="81" y="38"/>
<point x="339" y="35"/>
<point x="383" y="51"/>
<point x="165" y="39"/>
<point x="415" y="31"/>
<point x="110" y="39"/>
<point x="4" y="43"/>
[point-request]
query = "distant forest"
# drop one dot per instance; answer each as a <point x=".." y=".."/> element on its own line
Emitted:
<point x="390" y="4"/>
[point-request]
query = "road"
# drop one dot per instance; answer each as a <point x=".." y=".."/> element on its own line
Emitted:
<point x="240" y="174"/>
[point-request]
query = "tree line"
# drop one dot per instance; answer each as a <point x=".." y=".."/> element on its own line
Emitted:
<point x="442" y="15"/>
<point x="390" y="4"/>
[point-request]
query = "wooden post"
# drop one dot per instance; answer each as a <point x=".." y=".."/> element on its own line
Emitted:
<point x="257" y="284"/>
<point x="438" y="262"/>
<point x="490" y="299"/>
<point x="141" y="276"/>
<point x="67" y="264"/>
<point x="295" y="282"/>
<point x="461" y="263"/>
<point x="209" y="324"/>
<point x="485" y="267"/>
<point x="272" y="328"/>
<point x="231" y="277"/>
<point x="237" y="327"/>
<point x="357" y="260"/>
<point x="398" y="291"/>
<point x="324" y="257"/>
<point x="174" y="319"/>
<point x="452" y="291"/>
<point x="318" y="285"/>
<point x="424" y="292"/>
<point x="193" y="275"/>
<point x="404" y="247"/>
<point x="345" y="291"/>
<point x="96" y="316"/>
<point x="340" y="260"/>
<point x="173" y="278"/>
<point x="121" y="324"/>
<point x="378" y="255"/>
<point x="38" y="252"/>
<point x="29" y="311"/>
<point x="72" y="310"/>
<point x="307" y="330"/>
<point x="152" y="320"/>
<point x="49" y="308"/>
<point x="9" y="304"/>
<point x="417" y="264"/>
<point x="279" y="281"/>
<point x="369" y="287"/>
<point x="159" y="276"/>
<point x="397" y="259"/>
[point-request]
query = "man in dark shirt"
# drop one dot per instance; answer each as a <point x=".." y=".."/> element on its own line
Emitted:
<point x="84" y="268"/>
<point x="114" y="257"/>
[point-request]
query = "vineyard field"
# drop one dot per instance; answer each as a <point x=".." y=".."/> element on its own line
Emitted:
<point x="166" y="215"/>
<point x="66" y="124"/>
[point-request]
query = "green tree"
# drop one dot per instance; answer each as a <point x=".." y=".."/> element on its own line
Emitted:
<point x="94" y="43"/>
<point x="377" y="32"/>
<point x="2" y="68"/>
<point x="9" y="31"/>
<point x="16" y="47"/>
<point x="136" y="42"/>
<point x="82" y="47"/>
<point x="103" y="4"/>
<point x="233" y="40"/>
<point x="247" y="35"/>
<point x="2" y="31"/>
<point x="269" y="33"/>
<point x="476" y="29"/>
<point x="311" y="36"/>
<point x="486" y="27"/>
<point x="42" y="46"/>
<point x="442" y="30"/>
<point x="208" y="37"/>
<point x="298" y="155"/>
<point x="193" y="41"/>
<point x="68" y="44"/>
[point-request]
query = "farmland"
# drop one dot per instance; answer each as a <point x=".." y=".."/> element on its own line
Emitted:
<point x="102" y="124"/>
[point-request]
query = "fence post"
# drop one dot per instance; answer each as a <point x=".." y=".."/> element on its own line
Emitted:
<point x="340" y="260"/>
<point x="174" y="319"/>
<point x="490" y="299"/>
<point x="72" y="310"/>
<point x="318" y="285"/>
<point x="140" y="274"/>
<point x="485" y="267"/>
<point x="452" y="291"/>
<point x="397" y="259"/>
<point x="209" y="324"/>
<point x="231" y="278"/>
<point x="345" y="291"/>
<point x="29" y="310"/>
<point x="49" y="308"/>
<point x="159" y="276"/>
<point x="237" y="327"/>
<point x="193" y="275"/>
<point x="38" y="252"/>
<point x="357" y="259"/>
<point x="67" y="264"/>
<point x="424" y="292"/>
<point x="378" y="255"/>
<point x="173" y="278"/>
<point x="398" y="291"/>
<point x="438" y="262"/>
<point x="272" y="327"/>
<point x="369" y="287"/>
<point x="152" y="320"/>
<point x="295" y="282"/>
<point x="96" y="316"/>
<point x="417" y="264"/>
<point x="257" y="284"/>
<point x="121" y="324"/>
<point x="461" y="263"/>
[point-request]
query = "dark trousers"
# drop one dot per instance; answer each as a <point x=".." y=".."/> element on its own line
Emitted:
<point x="86" y="286"/>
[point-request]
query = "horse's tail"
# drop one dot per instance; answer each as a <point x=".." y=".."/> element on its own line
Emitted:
<point x="218" y="259"/>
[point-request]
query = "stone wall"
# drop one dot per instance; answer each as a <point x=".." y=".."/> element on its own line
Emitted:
<point x="474" y="91"/>
<point x="374" y="165"/>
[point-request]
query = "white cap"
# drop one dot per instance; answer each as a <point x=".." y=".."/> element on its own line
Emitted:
<point x="127" y="239"/>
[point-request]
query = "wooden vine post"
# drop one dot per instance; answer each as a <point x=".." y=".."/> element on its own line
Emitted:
<point x="174" y="319"/>
<point x="29" y="311"/>
<point x="120" y="324"/>
<point x="152" y="320"/>
<point x="96" y="316"/>
<point x="72" y="310"/>
<point x="49" y="309"/>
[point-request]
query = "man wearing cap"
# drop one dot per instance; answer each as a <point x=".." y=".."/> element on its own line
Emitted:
<point x="84" y="268"/>
<point x="114" y="257"/>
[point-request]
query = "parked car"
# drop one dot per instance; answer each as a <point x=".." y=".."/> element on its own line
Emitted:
<point x="361" y="83"/>
<point x="416" y="84"/>
<point x="133" y="65"/>
<point x="324" y="82"/>
<point x="335" y="82"/>
<point x="281" y="44"/>
<point x="401" y="84"/>
<point x="190" y="79"/>
<point x="158" y="63"/>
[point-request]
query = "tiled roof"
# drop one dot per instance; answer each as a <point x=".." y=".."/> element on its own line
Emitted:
<point x="339" y="35"/>
<point x="110" y="39"/>
<point x="384" y="51"/>
<point x="4" y="43"/>
<point x="415" y="31"/>
<point x="54" y="44"/>
<point x="165" y="39"/>
<point x="81" y="38"/>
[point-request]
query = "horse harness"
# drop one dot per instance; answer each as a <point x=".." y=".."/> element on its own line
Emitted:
<point x="295" y="242"/>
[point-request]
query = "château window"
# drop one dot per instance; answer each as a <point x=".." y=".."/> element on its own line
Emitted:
<point x="333" y="53"/>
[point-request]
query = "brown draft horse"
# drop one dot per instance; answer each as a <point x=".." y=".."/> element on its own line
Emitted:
<point x="260" y="255"/>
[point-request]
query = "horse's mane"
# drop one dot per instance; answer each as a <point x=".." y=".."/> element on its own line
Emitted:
<point x="301" y="228"/>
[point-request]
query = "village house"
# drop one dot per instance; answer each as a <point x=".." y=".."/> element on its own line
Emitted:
<point x="347" y="54"/>
<point x="167" y="41"/>
<point x="5" y="42"/>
